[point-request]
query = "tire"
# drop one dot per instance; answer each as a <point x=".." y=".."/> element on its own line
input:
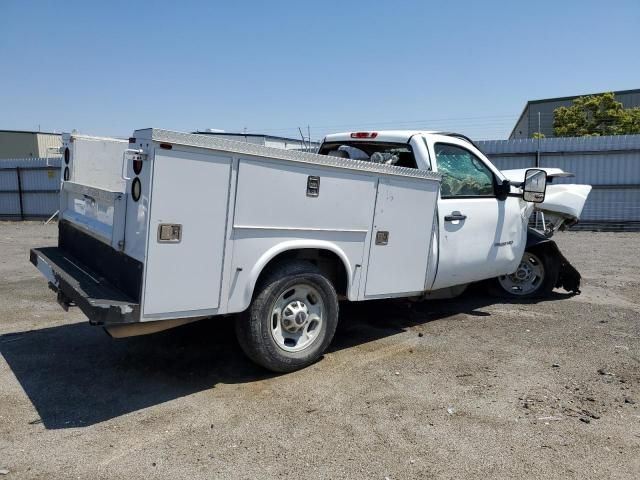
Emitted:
<point x="536" y="277"/>
<point x="284" y="331"/>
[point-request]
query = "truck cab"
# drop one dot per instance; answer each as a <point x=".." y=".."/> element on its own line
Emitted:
<point x="482" y="216"/>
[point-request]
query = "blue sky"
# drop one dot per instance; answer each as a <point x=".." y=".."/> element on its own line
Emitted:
<point x="109" y="67"/>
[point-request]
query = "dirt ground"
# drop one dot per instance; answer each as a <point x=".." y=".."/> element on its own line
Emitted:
<point x="466" y="388"/>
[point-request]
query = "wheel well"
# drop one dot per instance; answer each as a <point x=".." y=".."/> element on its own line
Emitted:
<point x="329" y="263"/>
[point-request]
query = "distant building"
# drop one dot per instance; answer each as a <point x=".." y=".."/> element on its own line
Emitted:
<point x="527" y="124"/>
<point x="21" y="144"/>
<point x="264" y="140"/>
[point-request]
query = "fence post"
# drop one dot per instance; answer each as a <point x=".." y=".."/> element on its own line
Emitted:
<point x="20" y="193"/>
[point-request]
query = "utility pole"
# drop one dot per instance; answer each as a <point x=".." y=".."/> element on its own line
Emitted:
<point x="304" y="144"/>
<point x="538" y="152"/>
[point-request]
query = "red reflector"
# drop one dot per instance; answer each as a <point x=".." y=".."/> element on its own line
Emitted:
<point x="137" y="166"/>
<point x="166" y="146"/>
<point x="364" y="135"/>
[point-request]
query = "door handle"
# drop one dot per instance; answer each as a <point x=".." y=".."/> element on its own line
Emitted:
<point x="454" y="216"/>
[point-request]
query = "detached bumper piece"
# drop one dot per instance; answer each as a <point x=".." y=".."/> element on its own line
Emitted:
<point x="76" y="284"/>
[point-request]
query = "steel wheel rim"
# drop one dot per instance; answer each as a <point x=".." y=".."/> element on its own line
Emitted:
<point x="526" y="279"/>
<point x="297" y="317"/>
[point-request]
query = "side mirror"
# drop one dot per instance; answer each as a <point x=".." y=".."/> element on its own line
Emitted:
<point x="535" y="185"/>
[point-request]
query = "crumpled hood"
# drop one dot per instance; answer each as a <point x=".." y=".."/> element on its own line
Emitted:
<point x="517" y="175"/>
<point x="564" y="199"/>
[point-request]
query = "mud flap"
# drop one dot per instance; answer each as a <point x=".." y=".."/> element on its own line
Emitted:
<point x="568" y="277"/>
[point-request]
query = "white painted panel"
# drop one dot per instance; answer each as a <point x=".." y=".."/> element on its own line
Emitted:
<point x="253" y="248"/>
<point x="405" y="208"/>
<point x="191" y="190"/>
<point x="488" y="243"/>
<point x="98" y="162"/>
<point x="274" y="195"/>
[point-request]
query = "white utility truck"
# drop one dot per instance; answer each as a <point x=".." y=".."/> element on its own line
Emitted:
<point x="168" y="228"/>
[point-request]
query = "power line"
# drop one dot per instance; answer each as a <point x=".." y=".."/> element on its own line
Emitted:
<point x="395" y="122"/>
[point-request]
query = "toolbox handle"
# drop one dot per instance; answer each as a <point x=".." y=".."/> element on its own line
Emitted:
<point x="130" y="151"/>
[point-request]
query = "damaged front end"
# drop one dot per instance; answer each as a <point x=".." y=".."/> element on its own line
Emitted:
<point x="568" y="277"/>
<point x="543" y="266"/>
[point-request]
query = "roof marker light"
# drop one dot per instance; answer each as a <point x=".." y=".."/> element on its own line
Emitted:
<point x="364" y="134"/>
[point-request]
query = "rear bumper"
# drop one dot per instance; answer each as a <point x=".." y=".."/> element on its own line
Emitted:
<point x="77" y="284"/>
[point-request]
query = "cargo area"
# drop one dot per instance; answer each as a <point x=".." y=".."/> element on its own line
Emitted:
<point x="232" y="207"/>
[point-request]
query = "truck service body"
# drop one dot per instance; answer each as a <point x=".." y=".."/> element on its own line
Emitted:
<point x="168" y="228"/>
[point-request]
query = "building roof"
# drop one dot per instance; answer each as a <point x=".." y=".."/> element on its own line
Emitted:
<point x="562" y="99"/>
<point x="29" y="131"/>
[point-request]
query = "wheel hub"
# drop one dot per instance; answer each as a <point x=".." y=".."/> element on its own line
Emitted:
<point x="523" y="273"/>
<point x="526" y="279"/>
<point x="295" y="316"/>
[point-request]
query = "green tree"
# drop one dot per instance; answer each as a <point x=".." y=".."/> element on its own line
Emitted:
<point x="596" y="115"/>
<point x="537" y="135"/>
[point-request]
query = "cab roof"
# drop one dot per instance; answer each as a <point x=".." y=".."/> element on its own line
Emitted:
<point x="393" y="136"/>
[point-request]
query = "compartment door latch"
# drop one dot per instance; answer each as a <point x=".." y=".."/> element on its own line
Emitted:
<point x="169" y="233"/>
<point x="313" y="186"/>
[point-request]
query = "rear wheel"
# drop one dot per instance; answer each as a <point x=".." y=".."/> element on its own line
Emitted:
<point x="292" y="318"/>
<point x="536" y="276"/>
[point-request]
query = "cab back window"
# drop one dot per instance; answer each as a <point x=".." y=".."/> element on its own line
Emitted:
<point x="399" y="154"/>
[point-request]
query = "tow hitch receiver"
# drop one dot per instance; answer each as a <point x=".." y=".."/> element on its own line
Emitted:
<point x="64" y="301"/>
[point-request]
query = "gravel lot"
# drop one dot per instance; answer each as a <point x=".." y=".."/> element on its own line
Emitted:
<point x="468" y="388"/>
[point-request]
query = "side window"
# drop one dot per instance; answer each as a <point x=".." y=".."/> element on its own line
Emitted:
<point x="463" y="174"/>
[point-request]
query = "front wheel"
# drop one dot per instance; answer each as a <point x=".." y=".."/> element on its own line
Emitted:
<point x="536" y="276"/>
<point x="292" y="319"/>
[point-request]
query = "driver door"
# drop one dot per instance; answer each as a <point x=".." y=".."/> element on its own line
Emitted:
<point x="480" y="236"/>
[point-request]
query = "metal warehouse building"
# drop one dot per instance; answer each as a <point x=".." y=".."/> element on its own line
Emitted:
<point x="610" y="164"/>
<point x="527" y="124"/>
<point x="22" y="144"/>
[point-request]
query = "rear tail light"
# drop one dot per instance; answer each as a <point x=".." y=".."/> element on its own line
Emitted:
<point x="364" y="134"/>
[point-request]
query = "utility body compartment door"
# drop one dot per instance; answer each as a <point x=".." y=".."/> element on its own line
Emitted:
<point x="190" y="191"/>
<point x="401" y="237"/>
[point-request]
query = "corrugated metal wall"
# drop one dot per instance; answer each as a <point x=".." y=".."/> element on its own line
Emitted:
<point x="29" y="188"/>
<point x="610" y="164"/>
